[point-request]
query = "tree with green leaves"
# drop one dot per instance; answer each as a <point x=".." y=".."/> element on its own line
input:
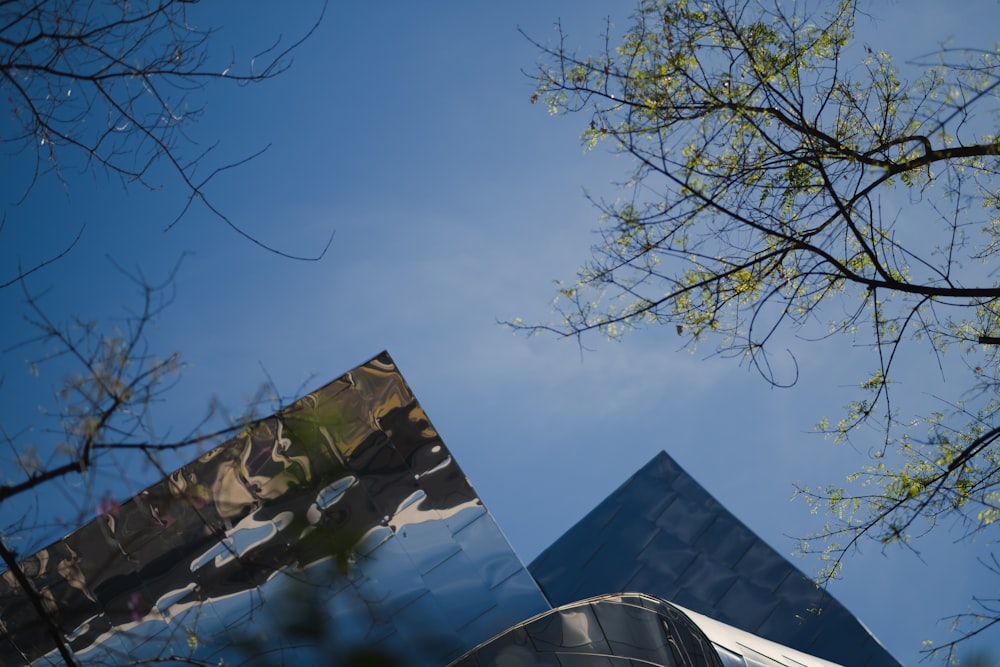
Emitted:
<point x="787" y="180"/>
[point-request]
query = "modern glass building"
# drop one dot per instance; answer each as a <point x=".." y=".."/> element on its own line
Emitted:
<point x="621" y="629"/>
<point x="344" y="521"/>
<point x="663" y="534"/>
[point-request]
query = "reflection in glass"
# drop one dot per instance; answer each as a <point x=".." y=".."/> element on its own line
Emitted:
<point x="619" y="629"/>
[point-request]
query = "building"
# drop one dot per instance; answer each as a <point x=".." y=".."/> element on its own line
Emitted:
<point x="663" y="534"/>
<point x="348" y="508"/>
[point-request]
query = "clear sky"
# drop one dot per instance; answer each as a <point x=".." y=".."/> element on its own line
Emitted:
<point x="407" y="129"/>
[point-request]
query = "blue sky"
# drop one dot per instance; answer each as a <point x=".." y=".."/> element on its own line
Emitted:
<point x="407" y="130"/>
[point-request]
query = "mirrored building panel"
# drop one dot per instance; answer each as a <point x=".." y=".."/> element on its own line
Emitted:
<point x="738" y="648"/>
<point x="663" y="534"/>
<point x="605" y="631"/>
<point x="346" y="505"/>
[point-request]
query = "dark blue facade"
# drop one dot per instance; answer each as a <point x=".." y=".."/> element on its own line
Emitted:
<point x="662" y="533"/>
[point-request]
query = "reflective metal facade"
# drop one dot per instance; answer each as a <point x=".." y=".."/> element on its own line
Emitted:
<point x="632" y="629"/>
<point x="606" y="631"/>
<point x="738" y="648"/>
<point x="662" y="533"/>
<point x="350" y="495"/>
<point x="352" y="477"/>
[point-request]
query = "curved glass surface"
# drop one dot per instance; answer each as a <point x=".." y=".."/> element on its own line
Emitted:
<point x="605" y="631"/>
